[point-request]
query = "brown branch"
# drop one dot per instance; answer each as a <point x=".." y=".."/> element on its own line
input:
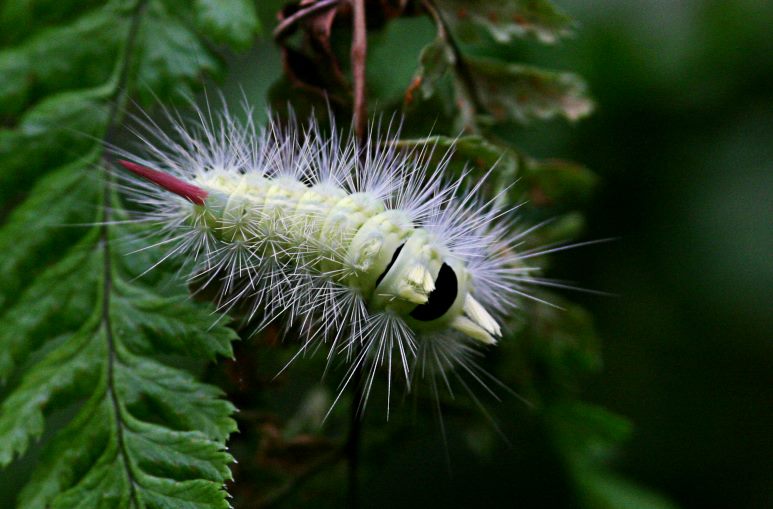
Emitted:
<point x="359" y="53"/>
<point x="283" y="29"/>
<point x="358" y="57"/>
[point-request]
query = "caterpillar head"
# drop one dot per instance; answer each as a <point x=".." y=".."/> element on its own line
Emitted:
<point x="432" y="290"/>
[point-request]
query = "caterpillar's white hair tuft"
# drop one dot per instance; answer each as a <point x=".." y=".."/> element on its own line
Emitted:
<point x="368" y="249"/>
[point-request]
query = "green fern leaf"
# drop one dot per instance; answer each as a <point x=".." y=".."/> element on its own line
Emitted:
<point x="80" y="331"/>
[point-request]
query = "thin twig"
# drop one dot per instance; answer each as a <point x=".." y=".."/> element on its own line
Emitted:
<point x="283" y="29"/>
<point x="473" y="103"/>
<point x="359" y="54"/>
<point x="352" y="446"/>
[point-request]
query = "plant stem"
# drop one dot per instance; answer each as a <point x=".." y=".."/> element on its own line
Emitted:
<point x="359" y="53"/>
<point x="119" y="99"/>
<point x="283" y="29"/>
<point x="352" y="447"/>
<point x="465" y="82"/>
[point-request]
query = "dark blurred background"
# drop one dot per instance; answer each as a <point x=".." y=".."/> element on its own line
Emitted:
<point x="682" y="139"/>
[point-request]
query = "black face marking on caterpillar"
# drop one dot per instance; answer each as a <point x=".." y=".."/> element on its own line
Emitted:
<point x="351" y="245"/>
<point x="441" y="298"/>
<point x="391" y="262"/>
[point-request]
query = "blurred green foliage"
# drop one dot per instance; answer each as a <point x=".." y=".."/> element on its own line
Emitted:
<point x="680" y="151"/>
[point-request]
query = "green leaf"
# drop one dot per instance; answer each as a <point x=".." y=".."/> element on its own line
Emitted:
<point x="560" y="341"/>
<point x="605" y="490"/>
<point x="65" y="373"/>
<point x="232" y="22"/>
<point x="586" y="433"/>
<point x="507" y="92"/>
<point x="521" y="93"/>
<point x="587" y="437"/>
<point x="52" y="304"/>
<point x="558" y="184"/>
<point x="56" y="193"/>
<point x="20" y="17"/>
<point x="549" y="190"/>
<point x="170" y="325"/>
<point x="473" y="152"/>
<point x="506" y="20"/>
<point x="60" y="464"/>
<point x="109" y="362"/>
<point x="75" y="56"/>
<point x="170" y="57"/>
<point x="434" y="62"/>
<point x="82" y="337"/>
<point x="559" y="228"/>
<point x="151" y="388"/>
<point x="59" y="131"/>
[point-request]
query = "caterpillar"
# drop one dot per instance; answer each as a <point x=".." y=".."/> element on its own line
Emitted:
<point x="363" y="247"/>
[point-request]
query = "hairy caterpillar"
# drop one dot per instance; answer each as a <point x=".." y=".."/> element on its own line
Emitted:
<point x="365" y="248"/>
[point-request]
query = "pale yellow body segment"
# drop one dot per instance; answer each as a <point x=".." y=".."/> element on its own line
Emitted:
<point x="351" y="238"/>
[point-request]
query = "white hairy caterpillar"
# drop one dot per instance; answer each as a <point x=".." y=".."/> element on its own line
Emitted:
<point x="365" y="248"/>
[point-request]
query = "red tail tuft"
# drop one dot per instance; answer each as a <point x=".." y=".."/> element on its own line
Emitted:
<point x="188" y="191"/>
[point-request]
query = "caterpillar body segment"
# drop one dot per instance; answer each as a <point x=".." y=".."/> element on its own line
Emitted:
<point x="350" y="245"/>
